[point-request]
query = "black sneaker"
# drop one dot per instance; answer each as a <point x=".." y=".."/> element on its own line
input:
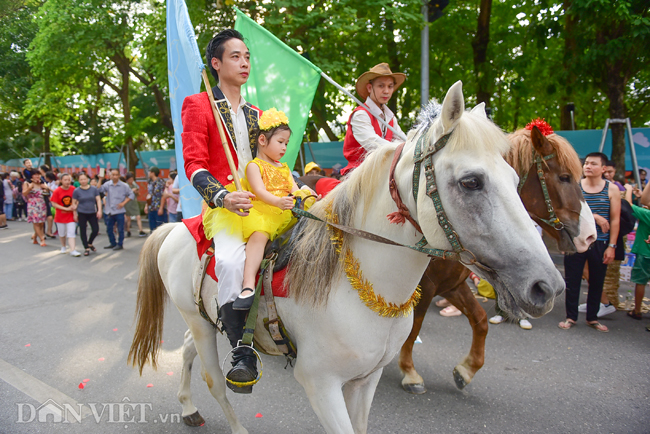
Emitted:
<point x="142" y="234"/>
<point x="128" y="234"/>
<point x="118" y="247"/>
<point x="112" y="246"/>
<point x="244" y="370"/>
<point x="244" y="303"/>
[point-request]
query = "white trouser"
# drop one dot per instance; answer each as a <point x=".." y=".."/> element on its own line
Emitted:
<point x="229" y="258"/>
<point x="66" y="230"/>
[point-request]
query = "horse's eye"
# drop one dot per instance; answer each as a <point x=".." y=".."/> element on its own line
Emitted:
<point x="471" y="183"/>
<point x="565" y="178"/>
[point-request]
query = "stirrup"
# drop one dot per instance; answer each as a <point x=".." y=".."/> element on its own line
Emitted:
<point x="243" y="383"/>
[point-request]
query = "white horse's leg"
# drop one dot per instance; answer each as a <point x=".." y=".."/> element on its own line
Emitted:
<point x="326" y="398"/>
<point x="176" y="261"/>
<point x="190" y="413"/>
<point x="206" y="346"/>
<point x="358" y="398"/>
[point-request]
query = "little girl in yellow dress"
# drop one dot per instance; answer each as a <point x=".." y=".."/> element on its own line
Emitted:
<point x="272" y="184"/>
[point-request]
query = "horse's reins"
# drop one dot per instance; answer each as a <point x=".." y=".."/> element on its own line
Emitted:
<point x="432" y="191"/>
<point x="553" y="219"/>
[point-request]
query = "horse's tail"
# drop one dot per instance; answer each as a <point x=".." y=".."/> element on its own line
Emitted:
<point x="150" y="307"/>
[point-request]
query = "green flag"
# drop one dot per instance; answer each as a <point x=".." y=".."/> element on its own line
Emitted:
<point x="279" y="78"/>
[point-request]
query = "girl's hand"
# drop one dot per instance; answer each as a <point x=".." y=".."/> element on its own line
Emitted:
<point x="99" y="214"/>
<point x="160" y="211"/>
<point x="285" y="203"/>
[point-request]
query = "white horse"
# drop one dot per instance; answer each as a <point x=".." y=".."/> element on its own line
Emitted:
<point x="342" y="344"/>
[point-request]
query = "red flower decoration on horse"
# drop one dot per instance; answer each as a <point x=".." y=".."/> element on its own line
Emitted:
<point x="542" y="125"/>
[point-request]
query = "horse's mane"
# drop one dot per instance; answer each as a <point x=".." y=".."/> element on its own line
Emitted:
<point x="520" y="156"/>
<point x="464" y="134"/>
<point x="314" y="263"/>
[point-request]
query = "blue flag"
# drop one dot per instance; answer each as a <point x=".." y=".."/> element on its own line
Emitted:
<point x="184" y="65"/>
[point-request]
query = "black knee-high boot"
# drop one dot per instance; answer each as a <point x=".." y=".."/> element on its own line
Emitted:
<point x="244" y="361"/>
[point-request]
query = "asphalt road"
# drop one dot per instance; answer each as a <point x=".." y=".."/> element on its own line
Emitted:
<point x="64" y="320"/>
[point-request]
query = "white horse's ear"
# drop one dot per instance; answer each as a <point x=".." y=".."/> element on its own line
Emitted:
<point x="453" y="106"/>
<point x="479" y="109"/>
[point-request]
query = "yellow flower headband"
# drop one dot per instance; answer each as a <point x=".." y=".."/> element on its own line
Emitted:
<point x="272" y="118"/>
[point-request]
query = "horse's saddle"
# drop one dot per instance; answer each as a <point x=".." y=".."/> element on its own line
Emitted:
<point x="283" y="246"/>
<point x="270" y="336"/>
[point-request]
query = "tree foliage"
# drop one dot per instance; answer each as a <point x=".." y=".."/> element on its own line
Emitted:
<point x="91" y="76"/>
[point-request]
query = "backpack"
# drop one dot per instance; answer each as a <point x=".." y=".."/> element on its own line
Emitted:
<point x="627" y="220"/>
<point x="18" y="193"/>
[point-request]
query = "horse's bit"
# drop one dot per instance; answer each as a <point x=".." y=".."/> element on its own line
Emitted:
<point x="553" y="219"/>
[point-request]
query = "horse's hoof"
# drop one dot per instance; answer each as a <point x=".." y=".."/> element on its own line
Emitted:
<point x="414" y="388"/>
<point x="458" y="378"/>
<point x="194" y="419"/>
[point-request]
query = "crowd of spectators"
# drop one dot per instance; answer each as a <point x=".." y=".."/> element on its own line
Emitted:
<point x="63" y="204"/>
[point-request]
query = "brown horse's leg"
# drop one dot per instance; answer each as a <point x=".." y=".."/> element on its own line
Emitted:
<point x="412" y="382"/>
<point x="440" y="277"/>
<point x="463" y="299"/>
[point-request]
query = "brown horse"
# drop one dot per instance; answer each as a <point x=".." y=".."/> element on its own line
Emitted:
<point x="554" y="167"/>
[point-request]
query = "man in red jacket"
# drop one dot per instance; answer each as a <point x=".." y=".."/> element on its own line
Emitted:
<point x="364" y="133"/>
<point x="207" y="169"/>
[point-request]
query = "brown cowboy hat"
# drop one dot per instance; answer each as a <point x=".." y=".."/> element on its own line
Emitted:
<point x="381" y="70"/>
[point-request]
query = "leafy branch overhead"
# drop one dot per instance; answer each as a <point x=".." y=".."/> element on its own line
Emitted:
<point x="86" y="76"/>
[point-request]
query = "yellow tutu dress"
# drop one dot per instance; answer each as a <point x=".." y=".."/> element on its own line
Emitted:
<point x="262" y="217"/>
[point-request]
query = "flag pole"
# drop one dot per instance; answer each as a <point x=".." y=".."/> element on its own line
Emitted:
<point x="222" y="135"/>
<point x="355" y="99"/>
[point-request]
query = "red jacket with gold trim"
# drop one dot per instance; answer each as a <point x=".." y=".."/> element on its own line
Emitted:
<point x="206" y="165"/>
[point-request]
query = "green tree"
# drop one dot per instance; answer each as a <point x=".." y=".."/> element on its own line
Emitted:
<point x="19" y="135"/>
<point x="99" y="46"/>
<point x="614" y="46"/>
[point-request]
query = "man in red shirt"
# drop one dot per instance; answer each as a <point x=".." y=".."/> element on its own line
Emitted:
<point x="364" y="133"/>
<point x="64" y="218"/>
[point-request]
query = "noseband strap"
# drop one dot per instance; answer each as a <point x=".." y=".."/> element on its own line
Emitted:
<point x="552" y="219"/>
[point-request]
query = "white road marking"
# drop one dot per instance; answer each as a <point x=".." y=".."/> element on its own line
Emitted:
<point x="36" y="389"/>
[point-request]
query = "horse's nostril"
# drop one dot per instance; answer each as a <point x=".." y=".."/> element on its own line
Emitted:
<point x="538" y="294"/>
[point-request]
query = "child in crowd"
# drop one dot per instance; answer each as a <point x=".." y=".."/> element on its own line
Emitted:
<point x="64" y="218"/>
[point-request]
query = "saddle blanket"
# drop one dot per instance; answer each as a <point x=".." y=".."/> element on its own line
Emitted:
<point x="195" y="226"/>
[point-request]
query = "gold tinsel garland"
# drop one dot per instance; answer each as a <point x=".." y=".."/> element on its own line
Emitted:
<point x="367" y="295"/>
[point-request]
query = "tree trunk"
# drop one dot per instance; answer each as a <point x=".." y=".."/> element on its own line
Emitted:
<point x="318" y="111"/>
<point x="616" y="95"/>
<point x="46" y="145"/>
<point x="122" y="64"/>
<point x="570" y="53"/>
<point x="163" y="108"/>
<point x="393" y="56"/>
<point x="479" y="47"/>
<point x="312" y="131"/>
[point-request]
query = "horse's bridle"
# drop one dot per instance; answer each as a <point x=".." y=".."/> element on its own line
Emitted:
<point x="553" y="219"/>
<point x="419" y="156"/>
<point x="426" y="156"/>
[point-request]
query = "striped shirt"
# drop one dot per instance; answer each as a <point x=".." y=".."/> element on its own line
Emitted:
<point x="599" y="204"/>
